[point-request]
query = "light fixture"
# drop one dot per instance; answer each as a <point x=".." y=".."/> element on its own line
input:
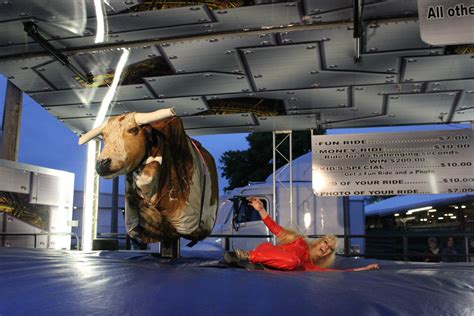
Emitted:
<point x="432" y="210"/>
<point x="99" y="14"/>
<point x="414" y="210"/>
<point x="463" y="206"/>
<point x="453" y="217"/>
<point x="319" y="181"/>
<point x="396" y="214"/>
<point x="307" y="220"/>
<point x="91" y="186"/>
<point x="456" y="207"/>
<point x="440" y="218"/>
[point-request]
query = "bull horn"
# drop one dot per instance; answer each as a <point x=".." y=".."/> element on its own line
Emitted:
<point x="146" y="118"/>
<point x="91" y="134"/>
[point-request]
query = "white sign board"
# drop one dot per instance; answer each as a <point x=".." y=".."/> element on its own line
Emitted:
<point x="430" y="162"/>
<point x="446" y="22"/>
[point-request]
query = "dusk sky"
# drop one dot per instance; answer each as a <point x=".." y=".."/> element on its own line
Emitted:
<point x="46" y="142"/>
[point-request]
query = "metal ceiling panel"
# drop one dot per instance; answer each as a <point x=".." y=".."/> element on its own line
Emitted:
<point x="219" y="54"/>
<point x="339" y="35"/>
<point x="105" y="61"/>
<point x="19" y="49"/>
<point x="9" y="34"/>
<point x="313" y="7"/>
<point x="57" y="9"/>
<point x="438" y="68"/>
<point x="21" y="73"/>
<point x="82" y="110"/>
<point x="295" y="100"/>
<point x="287" y="122"/>
<point x="197" y="84"/>
<point x="88" y="96"/>
<point x="343" y="114"/>
<point x="283" y="67"/>
<point x="257" y="16"/>
<point x="406" y="109"/>
<point x="59" y="76"/>
<point x="387" y="62"/>
<point x="393" y="36"/>
<point x="218" y="121"/>
<point x="369" y="100"/>
<point x="79" y="125"/>
<point x="375" y="10"/>
<point x="156" y="19"/>
<point x="450" y="85"/>
<point x="327" y="78"/>
<point x="466" y="97"/>
<point x="466" y="115"/>
<point x="151" y="34"/>
<point x="64" y="97"/>
<point x="312" y="98"/>
<point x="96" y="63"/>
<point x="183" y="106"/>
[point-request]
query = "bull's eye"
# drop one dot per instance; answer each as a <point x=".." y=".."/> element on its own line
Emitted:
<point x="134" y="130"/>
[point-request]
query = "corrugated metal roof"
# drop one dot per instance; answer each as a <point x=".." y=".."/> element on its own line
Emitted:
<point x="296" y="58"/>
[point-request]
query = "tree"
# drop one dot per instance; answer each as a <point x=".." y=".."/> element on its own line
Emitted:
<point x="240" y="167"/>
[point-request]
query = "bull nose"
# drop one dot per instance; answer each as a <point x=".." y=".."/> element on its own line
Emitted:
<point x="103" y="166"/>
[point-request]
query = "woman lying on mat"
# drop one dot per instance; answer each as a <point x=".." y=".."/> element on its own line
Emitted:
<point x="293" y="253"/>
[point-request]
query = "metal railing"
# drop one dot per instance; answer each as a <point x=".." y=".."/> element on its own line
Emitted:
<point x="35" y="236"/>
<point x="405" y="254"/>
<point x="405" y="244"/>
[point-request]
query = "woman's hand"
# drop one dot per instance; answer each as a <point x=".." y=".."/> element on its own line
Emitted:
<point x="369" y="267"/>
<point x="256" y="203"/>
<point x="258" y="206"/>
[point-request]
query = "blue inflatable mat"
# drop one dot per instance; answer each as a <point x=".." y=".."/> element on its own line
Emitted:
<point x="46" y="282"/>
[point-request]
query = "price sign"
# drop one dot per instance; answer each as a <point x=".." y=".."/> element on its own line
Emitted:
<point x="430" y="162"/>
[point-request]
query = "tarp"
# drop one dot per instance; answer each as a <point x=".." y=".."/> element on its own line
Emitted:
<point x="45" y="282"/>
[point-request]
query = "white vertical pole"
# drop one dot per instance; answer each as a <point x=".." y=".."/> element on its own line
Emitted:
<point x="291" y="175"/>
<point x="91" y="197"/>
<point x="274" y="177"/>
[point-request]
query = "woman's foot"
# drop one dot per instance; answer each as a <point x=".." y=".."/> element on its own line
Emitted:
<point x="239" y="258"/>
<point x="243" y="255"/>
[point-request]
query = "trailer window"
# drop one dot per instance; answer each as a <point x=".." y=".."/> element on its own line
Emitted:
<point x="245" y="212"/>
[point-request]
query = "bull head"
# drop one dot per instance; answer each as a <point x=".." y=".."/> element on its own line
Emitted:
<point x="125" y="138"/>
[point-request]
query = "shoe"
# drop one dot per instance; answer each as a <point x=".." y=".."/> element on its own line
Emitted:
<point x="243" y="255"/>
<point x="231" y="259"/>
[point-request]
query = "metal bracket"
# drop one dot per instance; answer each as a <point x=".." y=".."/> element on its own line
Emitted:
<point x="170" y="249"/>
<point x="358" y="11"/>
<point x="33" y="31"/>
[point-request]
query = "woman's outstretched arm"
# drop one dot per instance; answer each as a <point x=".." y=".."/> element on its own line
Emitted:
<point x="373" y="266"/>
<point x="267" y="220"/>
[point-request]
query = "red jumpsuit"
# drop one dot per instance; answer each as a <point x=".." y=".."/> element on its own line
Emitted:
<point x="293" y="256"/>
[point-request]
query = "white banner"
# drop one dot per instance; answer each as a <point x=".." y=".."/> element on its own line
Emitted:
<point x="430" y="162"/>
<point x="446" y="22"/>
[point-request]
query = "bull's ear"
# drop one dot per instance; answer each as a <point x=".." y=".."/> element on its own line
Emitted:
<point x="146" y="118"/>
<point x="91" y="134"/>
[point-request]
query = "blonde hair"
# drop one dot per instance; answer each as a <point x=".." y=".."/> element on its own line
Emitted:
<point x="288" y="236"/>
<point x="327" y="261"/>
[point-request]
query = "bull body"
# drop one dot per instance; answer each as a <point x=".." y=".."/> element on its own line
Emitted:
<point x="171" y="180"/>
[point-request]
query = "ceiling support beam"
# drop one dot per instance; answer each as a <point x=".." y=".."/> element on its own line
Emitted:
<point x="33" y="31"/>
<point x="11" y="123"/>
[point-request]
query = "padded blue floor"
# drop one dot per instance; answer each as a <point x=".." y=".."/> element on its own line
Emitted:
<point x="44" y="282"/>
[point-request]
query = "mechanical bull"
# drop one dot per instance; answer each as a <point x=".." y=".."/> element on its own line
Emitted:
<point x="171" y="180"/>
